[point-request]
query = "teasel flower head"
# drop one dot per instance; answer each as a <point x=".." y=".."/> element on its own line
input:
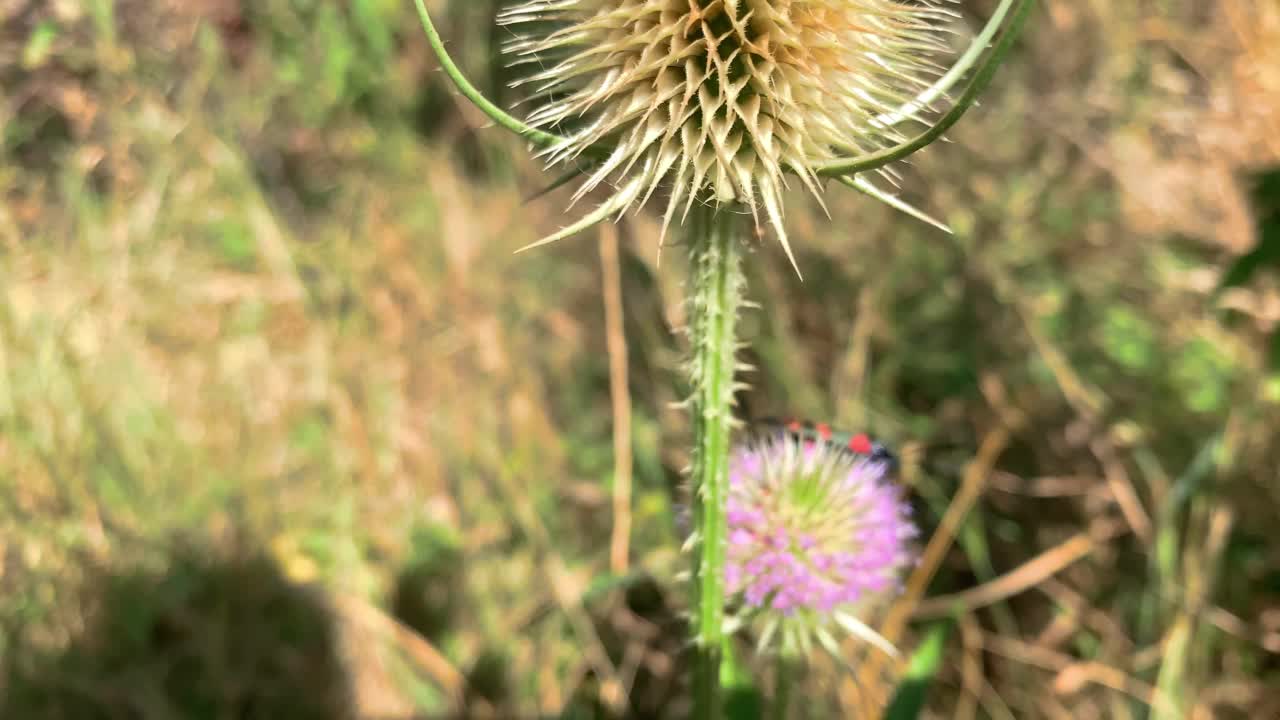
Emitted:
<point x="722" y="101"/>
<point x="818" y="539"/>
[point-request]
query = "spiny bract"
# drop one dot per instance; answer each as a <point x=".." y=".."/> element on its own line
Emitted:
<point x="719" y="99"/>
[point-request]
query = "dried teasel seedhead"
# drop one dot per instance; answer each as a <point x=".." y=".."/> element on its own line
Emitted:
<point x="719" y="101"/>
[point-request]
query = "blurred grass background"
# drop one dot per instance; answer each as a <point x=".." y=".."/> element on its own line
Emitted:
<point x="287" y="431"/>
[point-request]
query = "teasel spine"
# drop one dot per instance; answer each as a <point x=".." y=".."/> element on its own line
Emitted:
<point x="715" y="242"/>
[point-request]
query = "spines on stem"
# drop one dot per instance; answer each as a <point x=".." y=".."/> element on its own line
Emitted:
<point x="716" y="294"/>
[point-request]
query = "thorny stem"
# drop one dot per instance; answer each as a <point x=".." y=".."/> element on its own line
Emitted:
<point x="716" y="297"/>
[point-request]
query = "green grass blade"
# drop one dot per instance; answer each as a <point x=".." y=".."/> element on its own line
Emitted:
<point x="909" y="699"/>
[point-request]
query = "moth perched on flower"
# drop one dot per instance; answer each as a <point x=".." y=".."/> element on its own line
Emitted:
<point x="719" y="101"/>
<point x="817" y="536"/>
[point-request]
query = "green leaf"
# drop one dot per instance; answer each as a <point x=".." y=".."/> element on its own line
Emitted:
<point x="912" y="692"/>
<point x="235" y="242"/>
<point x="39" y="45"/>
<point x="1128" y="338"/>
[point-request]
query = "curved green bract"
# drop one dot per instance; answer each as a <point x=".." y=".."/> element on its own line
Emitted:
<point x="469" y="91"/>
<point x="864" y="186"/>
<point x="944" y="84"/>
<point x="966" y="100"/>
<point x="841" y="167"/>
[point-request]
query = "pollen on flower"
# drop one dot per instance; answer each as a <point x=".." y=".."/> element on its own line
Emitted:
<point x="718" y="101"/>
<point x="813" y="531"/>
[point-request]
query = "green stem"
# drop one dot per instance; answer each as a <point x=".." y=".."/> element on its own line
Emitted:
<point x="783" y="679"/>
<point x="716" y="297"/>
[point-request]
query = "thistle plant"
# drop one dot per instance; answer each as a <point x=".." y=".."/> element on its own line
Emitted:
<point x="717" y="107"/>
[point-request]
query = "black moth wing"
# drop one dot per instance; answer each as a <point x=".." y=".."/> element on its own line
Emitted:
<point x="856" y="444"/>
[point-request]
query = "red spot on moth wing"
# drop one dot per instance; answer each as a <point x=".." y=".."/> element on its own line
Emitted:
<point x="860" y="444"/>
<point x="824" y="431"/>
<point x="795" y="426"/>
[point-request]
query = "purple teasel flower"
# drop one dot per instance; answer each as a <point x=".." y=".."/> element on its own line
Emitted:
<point x="817" y="538"/>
